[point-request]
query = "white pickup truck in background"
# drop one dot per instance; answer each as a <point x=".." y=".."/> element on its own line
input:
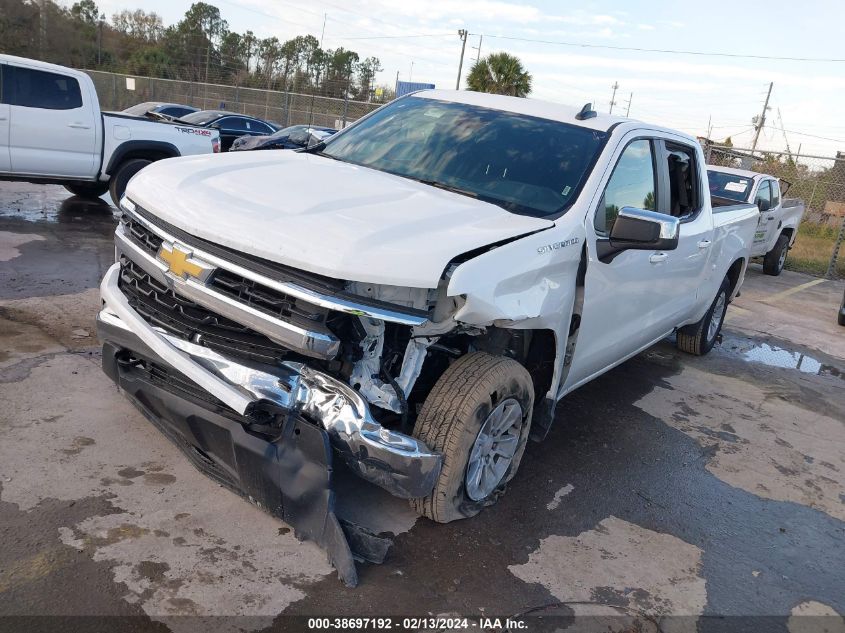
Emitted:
<point x="437" y="277"/>
<point x="779" y="216"/>
<point x="52" y="131"/>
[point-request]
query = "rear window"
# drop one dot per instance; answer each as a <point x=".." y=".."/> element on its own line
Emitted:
<point x="40" y="89"/>
<point x="728" y="186"/>
<point x="140" y="109"/>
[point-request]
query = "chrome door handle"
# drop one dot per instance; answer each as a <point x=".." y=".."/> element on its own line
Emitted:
<point x="79" y="126"/>
<point x="656" y="258"/>
<point x="704" y="244"/>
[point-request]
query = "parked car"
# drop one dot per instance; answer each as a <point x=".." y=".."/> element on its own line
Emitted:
<point x="52" y="131"/>
<point x="435" y="278"/>
<point x="293" y="137"/>
<point x="230" y="125"/>
<point x="779" y="217"/>
<point x="173" y="110"/>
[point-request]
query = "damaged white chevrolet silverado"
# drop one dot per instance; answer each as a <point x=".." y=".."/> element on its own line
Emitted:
<point x="409" y="299"/>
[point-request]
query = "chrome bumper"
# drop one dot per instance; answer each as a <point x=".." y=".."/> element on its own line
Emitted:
<point x="399" y="463"/>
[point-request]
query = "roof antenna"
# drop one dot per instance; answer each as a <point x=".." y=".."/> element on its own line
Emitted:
<point x="586" y="112"/>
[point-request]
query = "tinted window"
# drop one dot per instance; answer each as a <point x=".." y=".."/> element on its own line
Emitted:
<point x="631" y="185"/>
<point x="729" y="186"/>
<point x="683" y="180"/>
<point x="260" y="128"/>
<point x="39" y="89"/>
<point x="763" y="199"/>
<point x="521" y="163"/>
<point x="775" y="193"/>
<point x="235" y="124"/>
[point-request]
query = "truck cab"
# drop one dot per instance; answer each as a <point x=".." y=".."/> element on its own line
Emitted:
<point x="780" y="217"/>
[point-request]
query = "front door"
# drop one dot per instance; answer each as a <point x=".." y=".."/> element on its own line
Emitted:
<point x="623" y="297"/>
<point x="52" y="129"/>
<point x="767" y="224"/>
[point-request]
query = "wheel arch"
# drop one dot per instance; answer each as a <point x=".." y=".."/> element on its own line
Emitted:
<point x="149" y="150"/>
<point x="735" y="274"/>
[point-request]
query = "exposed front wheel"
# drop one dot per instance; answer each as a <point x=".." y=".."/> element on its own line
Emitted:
<point x="775" y="259"/>
<point x="700" y="337"/>
<point x="87" y="189"/>
<point x="122" y="175"/>
<point x="477" y="416"/>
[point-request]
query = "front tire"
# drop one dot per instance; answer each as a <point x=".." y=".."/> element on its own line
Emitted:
<point x="87" y="189"/>
<point x="477" y="416"/>
<point x="699" y="338"/>
<point x="775" y="259"/>
<point x="123" y="174"/>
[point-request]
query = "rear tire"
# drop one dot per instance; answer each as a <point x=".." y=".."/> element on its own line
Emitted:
<point x="122" y="175"/>
<point x="699" y="338"/>
<point x="465" y="400"/>
<point x="775" y="259"/>
<point x="87" y="189"/>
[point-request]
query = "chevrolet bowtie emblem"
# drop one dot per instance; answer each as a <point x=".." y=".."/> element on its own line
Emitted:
<point x="182" y="264"/>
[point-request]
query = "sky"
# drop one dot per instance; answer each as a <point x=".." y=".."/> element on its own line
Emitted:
<point x="419" y="40"/>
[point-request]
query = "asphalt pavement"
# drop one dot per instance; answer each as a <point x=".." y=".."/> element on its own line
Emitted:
<point x="674" y="493"/>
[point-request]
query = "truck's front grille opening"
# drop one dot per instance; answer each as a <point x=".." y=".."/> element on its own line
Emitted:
<point x="243" y="290"/>
<point x="161" y="307"/>
<point x="263" y="298"/>
<point x="141" y="235"/>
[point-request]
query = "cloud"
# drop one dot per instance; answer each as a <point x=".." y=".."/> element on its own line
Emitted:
<point x="645" y="27"/>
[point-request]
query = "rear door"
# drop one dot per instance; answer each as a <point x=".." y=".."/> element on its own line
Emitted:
<point x="5" y="160"/>
<point x="52" y="130"/>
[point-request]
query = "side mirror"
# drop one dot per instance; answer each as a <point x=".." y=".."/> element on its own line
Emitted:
<point x="639" y="229"/>
<point x="764" y="205"/>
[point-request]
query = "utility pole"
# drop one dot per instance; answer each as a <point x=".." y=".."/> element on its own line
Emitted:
<point x="462" y="33"/>
<point x="613" y="98"/>
<point x="411" y="74"/>
<point x="785" y="139"/>
<point x="762" y="120"/>
<point x="396" y="86"/>
<point x="478" y="48"/>
<point x="709" y="126"/>
<point x="628" y="111"/>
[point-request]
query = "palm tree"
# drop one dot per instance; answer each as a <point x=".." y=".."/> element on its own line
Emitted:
<point x="500" y="73"/>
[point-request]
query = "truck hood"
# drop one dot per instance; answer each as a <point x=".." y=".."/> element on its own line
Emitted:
<point x="322" y="215"/>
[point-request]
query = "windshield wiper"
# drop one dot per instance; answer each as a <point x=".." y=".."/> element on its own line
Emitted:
<point x="443" y="185"/>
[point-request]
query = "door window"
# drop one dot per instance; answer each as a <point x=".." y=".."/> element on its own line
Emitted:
<point x="683" y="181"/>
<point x="39" y="89"/>
<point x="234" y="124"/>
<point x="763" y="200"/>
<point x="633" y="184"/>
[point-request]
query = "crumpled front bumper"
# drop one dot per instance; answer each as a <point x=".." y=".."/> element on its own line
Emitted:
<point x="317" y="404"/>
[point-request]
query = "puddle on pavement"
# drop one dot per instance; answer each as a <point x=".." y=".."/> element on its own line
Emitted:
<point x="49" y="203"/>
<point x="774" y="356"/>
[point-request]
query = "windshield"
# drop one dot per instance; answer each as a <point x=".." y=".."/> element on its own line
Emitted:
<point x="524" y="164"/>
<point x="200" y="118"/>
<point x="728" y="186"/>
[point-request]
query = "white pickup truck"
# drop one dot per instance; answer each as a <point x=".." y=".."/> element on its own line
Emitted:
<point x="777" y="227"/>
<point x="52" y="131"/>
<point x="409" y="299"/>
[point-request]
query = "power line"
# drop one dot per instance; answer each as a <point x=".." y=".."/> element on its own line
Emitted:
<point x="665" y="50"/>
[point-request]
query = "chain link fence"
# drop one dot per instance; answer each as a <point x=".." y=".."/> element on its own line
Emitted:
<point x="819" y="181"/>
<point x="117" y="92"/>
